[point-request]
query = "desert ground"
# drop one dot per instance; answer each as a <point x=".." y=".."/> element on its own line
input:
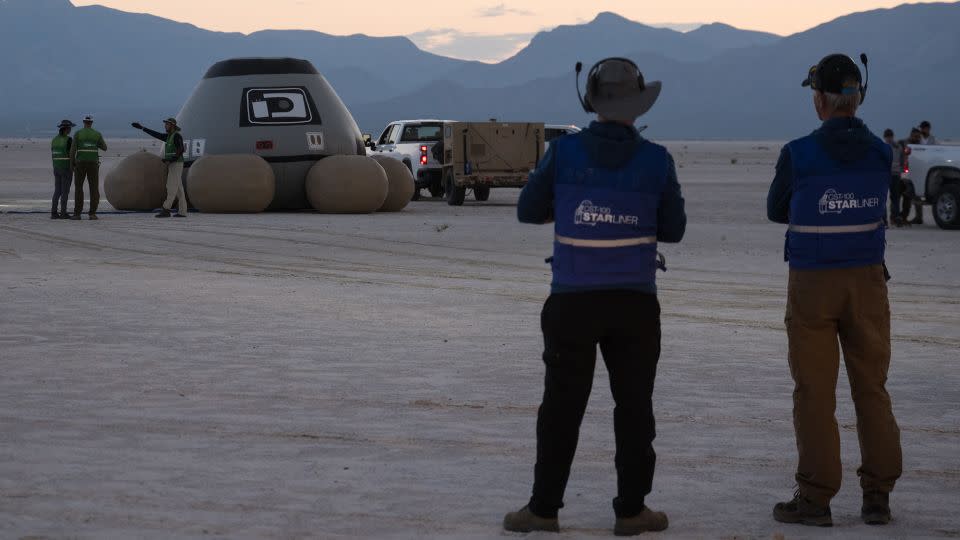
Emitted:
<point x="295" y="375"/>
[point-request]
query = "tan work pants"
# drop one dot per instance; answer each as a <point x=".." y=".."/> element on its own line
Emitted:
<point x="175" y="188"/>
<point x="89" y="171"/>
<point x="850" y="304"/>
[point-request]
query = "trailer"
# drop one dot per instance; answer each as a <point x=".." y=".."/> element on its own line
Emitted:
<point x="485" y="155"/>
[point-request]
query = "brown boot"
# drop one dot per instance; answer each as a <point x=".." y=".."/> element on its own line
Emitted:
<point x="525" y="521"/>
<point x="803" y="511"/>
<point x="646" y="521"/>
<point x="876" y="508"/>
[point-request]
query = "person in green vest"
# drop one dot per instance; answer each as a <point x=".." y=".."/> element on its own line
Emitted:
<point x="85" y="157"/>
<point x="173" y="149"/>
<point x="62" y="169"/>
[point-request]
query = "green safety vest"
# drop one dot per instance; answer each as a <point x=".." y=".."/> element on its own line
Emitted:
<point x="88" y="144"/>
<point x="61" y="153"/>
<point x="170" y="148"/>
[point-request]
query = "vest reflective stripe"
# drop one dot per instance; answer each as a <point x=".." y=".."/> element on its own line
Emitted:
<point x="839" y="229"/>
<point x="625" y="242"/>
<point x="605" y="220"/>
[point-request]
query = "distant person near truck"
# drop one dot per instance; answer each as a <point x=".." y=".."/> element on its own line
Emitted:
<point x="927" y="137"/>
<point x="898" y="149"/>
<point x="909" y="193"/>
<point x="62" y="170"/>
<point x="173" y="150"/>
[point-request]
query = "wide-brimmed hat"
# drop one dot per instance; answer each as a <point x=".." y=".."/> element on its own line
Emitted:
<point x="616" y="90"/>
<point x="65" y="124"/>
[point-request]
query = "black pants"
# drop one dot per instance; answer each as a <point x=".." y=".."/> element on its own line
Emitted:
<point x="909" y="195"/>
<point x="896" y="188"/>
<point x="626" y="326"/>
<point x="61" y="189"/>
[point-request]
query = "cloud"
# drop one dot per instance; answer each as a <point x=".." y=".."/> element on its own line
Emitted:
<point x="471" y="46"/>
<point x="501" y="10"/>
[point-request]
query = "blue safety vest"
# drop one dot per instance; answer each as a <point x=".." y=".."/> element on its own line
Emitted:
<point x="606" y="219"/>
<point x="837" y="209"/>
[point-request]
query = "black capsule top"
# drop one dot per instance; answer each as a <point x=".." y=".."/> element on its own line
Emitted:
<point x="237" y="67"/>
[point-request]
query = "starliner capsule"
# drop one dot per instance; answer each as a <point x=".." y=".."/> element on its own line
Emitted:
<point x="280" y="109"/>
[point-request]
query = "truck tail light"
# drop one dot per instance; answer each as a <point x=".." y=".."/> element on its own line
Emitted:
<point x="423" y="154"/>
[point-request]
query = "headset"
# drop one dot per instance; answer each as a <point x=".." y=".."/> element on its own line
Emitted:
<point x="816" y="77"/>
<point x="592" y="80"/>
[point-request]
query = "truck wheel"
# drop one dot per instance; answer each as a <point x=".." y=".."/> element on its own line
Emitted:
<point x="454" y="195"/>
<point x="436" y="188"/>
<point x="481" y="193"/>
<point x="946" y="208"/>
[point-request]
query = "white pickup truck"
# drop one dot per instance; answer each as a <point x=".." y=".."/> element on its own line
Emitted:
<point x="555" y="131"/>
<point x="935" y="174"/>
<point x="412" y="142"/>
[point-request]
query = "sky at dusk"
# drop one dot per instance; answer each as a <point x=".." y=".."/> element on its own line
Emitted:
<point x="486" y="30"/>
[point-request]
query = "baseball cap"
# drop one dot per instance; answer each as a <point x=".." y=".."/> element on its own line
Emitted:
<point x="835" y="74"/>
<point x="88" y="118"/>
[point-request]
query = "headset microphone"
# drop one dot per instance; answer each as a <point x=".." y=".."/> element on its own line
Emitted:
<point x="866" y="68"/>
<point x="579" y="68"/>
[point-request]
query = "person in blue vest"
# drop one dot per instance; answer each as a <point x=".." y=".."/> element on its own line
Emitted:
<point x="830" y="188"/>
<point x="612" y="195"/>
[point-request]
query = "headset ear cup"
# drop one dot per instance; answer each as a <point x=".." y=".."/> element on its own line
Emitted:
<point x="593" y="91"/>
<point x="592" y="86"/>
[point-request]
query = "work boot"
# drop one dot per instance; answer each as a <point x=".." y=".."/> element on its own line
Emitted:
<point x="803" y="511"/>
<point x="525" y="521"/>
<point x="75" y="217"/>
<point x="93" y="217"/>
<point x="54" y="215"/>
<point x="64" y="215"/>
<point x="646" y="521"/>
<point x="876" y="508"/>
<point x="163" y="213"/>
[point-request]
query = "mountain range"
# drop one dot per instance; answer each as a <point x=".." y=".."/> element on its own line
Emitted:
<point x="719" y="81"/>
